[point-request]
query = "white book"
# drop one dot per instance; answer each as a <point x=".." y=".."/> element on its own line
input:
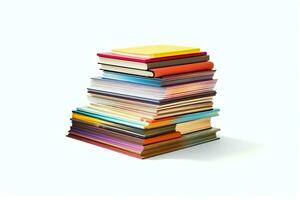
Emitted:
<point x="126" y="70"/>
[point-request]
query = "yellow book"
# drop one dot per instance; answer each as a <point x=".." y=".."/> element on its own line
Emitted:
<point x="88" y="119"/>
<point x="157" y="51"/>
<point x="192" y="126"/>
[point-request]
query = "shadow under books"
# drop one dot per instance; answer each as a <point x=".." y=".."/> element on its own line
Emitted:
<point x="219" y="149"/>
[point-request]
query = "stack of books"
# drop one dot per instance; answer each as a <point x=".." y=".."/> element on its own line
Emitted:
<point x="149" y="100"/>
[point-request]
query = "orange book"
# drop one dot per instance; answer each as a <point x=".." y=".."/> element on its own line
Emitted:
<point x="161" y="138"/>
<point x="180" y="69"/>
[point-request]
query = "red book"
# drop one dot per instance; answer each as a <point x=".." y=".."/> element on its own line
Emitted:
<point x="162" y="71"/>
<point x="181" y="69"/>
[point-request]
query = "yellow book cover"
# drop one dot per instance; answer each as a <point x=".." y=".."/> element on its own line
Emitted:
<point x="157" y="51"/>
<point x="87" y="119"/>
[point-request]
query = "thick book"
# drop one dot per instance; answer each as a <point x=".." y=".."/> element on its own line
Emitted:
<point x="132" y="113"/>
<point x="152" y="92"/>
<point x="132" y="102"/>
<point x="150" y="108"/>
<point x="133" y="58"/>
<point x="150" y="100"/>
<point x="151" y="65"/>
<point x="145" y="151"/>
<point x="163" y="71"/>
<point x="161" y="81"/>
<point x="156" y="51"/>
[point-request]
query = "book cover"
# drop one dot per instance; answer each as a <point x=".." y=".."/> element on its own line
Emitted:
<point x="156" y="51"/>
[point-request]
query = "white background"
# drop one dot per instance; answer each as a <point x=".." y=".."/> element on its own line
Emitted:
<point x="48" y="53"/>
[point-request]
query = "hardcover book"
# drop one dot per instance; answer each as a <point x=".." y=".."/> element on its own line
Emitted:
<point x="135" y="58"/>
<point x="151" y="65"/>
<point x="163" y="71"/>
<point x="156" y="51"/>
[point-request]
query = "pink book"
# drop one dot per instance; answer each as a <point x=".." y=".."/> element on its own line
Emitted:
<point x="146" y="60"/>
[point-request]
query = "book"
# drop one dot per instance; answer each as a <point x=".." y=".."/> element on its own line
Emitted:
<point x="119" y="56"/>
<point x="145" y="115"/>
<point x="147" y="107"/>
<point x="161" y="81"/>
<point x="192" y="126"/>
<point x="156" y="51"/>
<point x="151" y="65"/>
<point x="150" y="100"/>
<point x="152" y="92"/>
<point x="163" y="71"/>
